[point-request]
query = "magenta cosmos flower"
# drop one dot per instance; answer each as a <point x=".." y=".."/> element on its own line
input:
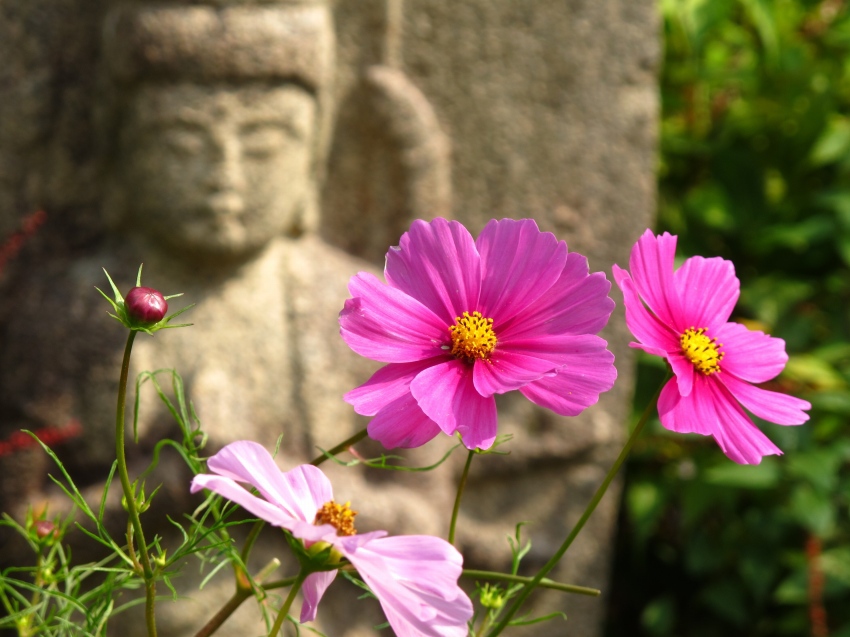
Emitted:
<point x="460" y="320"/>
<point x="414" y="577"/>
<point x="713" y="361"/>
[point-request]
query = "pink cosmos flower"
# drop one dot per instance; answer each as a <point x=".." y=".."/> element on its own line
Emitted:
<point x="460" y="320"/>
<point x="414" y="577"/>
<point x="713" y="361"/>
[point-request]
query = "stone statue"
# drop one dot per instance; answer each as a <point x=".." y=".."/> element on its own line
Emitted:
<point x="215" y="124"/>
<point x="217" y="121"/>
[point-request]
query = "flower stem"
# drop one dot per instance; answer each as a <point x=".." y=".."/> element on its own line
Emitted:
<point x="281" y="583"/>
<point x="544" y="583"/>
<point x="225" y="612"/>
<point x="284" y="610"/>
<point x="345" y="444"/>
<point x="252" y="537"/>
<point x="244" y="590"/>
<point x="129" y="493"/>
<point x="591" y="507"/>
<point x="484" y="624"/>
<point x="460" y="487"/>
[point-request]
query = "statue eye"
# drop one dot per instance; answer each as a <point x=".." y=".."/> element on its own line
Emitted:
<point x="263" y="140"/>
<point x="184" y="143"/>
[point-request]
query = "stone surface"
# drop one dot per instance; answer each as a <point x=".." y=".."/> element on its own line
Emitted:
<point x="255" y="166"/>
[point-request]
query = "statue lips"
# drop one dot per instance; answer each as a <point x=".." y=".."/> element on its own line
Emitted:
<point x="222" y="205"/>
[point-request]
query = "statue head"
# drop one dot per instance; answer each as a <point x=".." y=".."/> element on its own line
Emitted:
<point x="218" y="123"/>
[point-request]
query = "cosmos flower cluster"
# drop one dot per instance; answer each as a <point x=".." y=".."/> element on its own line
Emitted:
<point x="458" y="321"/>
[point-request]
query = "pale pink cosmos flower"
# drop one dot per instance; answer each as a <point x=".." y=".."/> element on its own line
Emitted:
<point x="460" y="320"/>
<point x="414" y="577"/>
<point x="685" y="320"/>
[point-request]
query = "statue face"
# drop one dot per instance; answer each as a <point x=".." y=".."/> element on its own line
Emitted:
<point x="217" y="171"/>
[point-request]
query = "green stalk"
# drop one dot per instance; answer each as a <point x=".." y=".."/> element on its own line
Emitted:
<point x="544" y="583"/>
<point x="345" y="444"/>
<point x="591" y="507"/>
<point x="225" y="611"/>
<point x="284" y="610"/>
<point x="460" y="487"/>
<point x="129" y="494"/>
<point x="484" y="624"/>
<point x="244" y="590"/>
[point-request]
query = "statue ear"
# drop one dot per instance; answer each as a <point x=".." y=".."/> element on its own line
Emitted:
<point x="306" y="218"/>
<point x="389" y="163"/>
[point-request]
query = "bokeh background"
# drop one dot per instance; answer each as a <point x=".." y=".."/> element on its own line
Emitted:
<point x="754" y="166"/>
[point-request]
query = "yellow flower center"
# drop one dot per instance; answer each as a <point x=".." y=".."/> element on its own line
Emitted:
<point x="340" y="516"/>
<point x="702" y="351"/>
<point x="472" y="337"/>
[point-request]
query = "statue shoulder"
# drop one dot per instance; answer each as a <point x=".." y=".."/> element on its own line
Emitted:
<point x="322" y="271"/>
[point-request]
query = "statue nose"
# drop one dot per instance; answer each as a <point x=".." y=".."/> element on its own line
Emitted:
<point x="227" y="172"/>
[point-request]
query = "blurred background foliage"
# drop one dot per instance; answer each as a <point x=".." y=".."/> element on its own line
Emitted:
<point x="755" y="167"/>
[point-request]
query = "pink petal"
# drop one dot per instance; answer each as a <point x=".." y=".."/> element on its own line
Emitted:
<point x="578" y="384"/>
<point x="308" y="489"/>
<point x="231" y="490"/>
<point x="349" y="544"/>
<point x="518" y="265"/>
<point x="649" y="350"/>
<point x="578" y="303"/>
<point x="447" y="395"/>
<point x="651" y="267"/>
<point x="387" y="325"/>
<point x="739" y="438"/>
<point x="402" y="423"/>
<point x="518" y="362"/>
<point x="708" y="291"/>
<point x="313" y="589"/>
<point x="386" y="385"/>
<point x="299" y="492"/>
<point x="312" y="533"/>
<point x="710" y="409"/>
<point x="750" y="355"/>
<point x="508" y="370"/>
<point x="768" y="405"/>
<point x="437" y="263"/>
<point x="684" y="371"/>
<point x="415" y="580"/>
<point x="687" y="418"/>
<point x="656" y="337"/>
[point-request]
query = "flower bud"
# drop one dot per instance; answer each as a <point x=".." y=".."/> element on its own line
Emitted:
<point x="144" y="309"/>
<point x="44" y="528"/>
<point x="145" y="306"/>
<point x="45" y="532"/>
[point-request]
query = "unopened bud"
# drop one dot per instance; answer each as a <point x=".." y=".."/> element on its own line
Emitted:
<point x="45" y="529"/>
<point x="145" y="306"/>
<point x="143" y="310"/>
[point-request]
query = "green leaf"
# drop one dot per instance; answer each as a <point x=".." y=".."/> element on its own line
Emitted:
<point x="837" y="402"/>
<point x="818" y="466"/>
<point x="813" y="510"/>
<point x="762" y="476"/>
<point x="833" y="144"/>
<point x="814" y="371"/>
<point x="763" y="15"/>
<point x="659" y="616"/>
<point x="794" y="589"/>
<point x="727" y="599"/>
<point x="835" y="563"/>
